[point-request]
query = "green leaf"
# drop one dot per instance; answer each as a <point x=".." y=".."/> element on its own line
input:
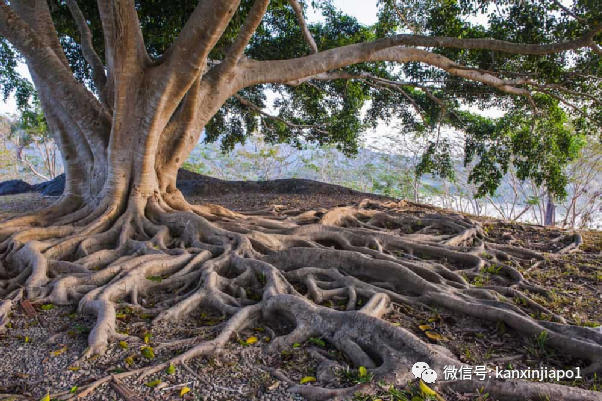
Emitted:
<point x="170" y="369"/>
<point x="362" y="371"/>
<point x="47" y="307"/>
<point x="73" y="390"/>
<point x="154" y="383"/>
<point x="317" y="341"/>
<point x="147" y="352"/>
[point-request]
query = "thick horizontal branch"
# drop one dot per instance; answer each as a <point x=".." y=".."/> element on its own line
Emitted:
<point x="259" y="72"/>
<point x="395" y="54"/>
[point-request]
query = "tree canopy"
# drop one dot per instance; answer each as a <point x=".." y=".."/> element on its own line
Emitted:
<point x="550" y="100"/>
<point x="128" y="87"/>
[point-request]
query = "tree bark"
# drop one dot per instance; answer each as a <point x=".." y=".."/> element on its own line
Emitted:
<point x="550" y="213"/>
<point x="122" y="219"/>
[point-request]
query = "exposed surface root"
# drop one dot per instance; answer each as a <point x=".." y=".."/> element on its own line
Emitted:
<point x="281" y="268"/>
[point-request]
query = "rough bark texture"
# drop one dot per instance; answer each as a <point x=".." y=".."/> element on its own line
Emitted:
<point x="122" y="219"/>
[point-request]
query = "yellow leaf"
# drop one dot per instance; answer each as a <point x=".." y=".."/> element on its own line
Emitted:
<point x="251" y="340"/>
<point x="362" y="371"/>
<point x="123" y="344"/>
<point x="308" y="379"/>
<point x="129" y="360"/>
<point x="58" y="351"/>
<point x="26" y="340"/>
<point x="426" y="390"/>
<point x="147" y="337"/>
<point x="73" y="368"/>
<point x="434" y="336"/>
<point x="185" y="390"/>
<point x="46" y="397"/>
<point x="425" y="327"/>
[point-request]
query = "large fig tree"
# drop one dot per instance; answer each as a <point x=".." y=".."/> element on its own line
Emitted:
<point x="128" y="88"/>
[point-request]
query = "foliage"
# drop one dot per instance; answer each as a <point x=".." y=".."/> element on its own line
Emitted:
<point x="390" y="169"/>
<point x="27" y="145"/>
<point x="532" y="137"/>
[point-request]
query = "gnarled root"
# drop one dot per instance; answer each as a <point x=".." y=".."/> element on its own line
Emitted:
<point x="370" y="256"/>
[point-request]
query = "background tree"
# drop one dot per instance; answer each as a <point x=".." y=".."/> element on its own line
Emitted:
<point x="30" y="134"/>
<point x="8" y="164"/>
<point x="127" y="88"/>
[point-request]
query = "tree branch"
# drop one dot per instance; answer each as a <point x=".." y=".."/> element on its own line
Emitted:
<point x="92" y="58"/>
<point x="289" y="124"/>
<point x="186" y="59"/>
<point x="242" y="40"/>
<point x="303" y="25"/>
<point x="23" y="159"/>
<point x="401" y="15"/>
<point x="293" y="69"/>
<point x="124" y="44"/>
<point x="37" y="15"/>
<point x="569" y="12"/>
<point x="46" y="65"/>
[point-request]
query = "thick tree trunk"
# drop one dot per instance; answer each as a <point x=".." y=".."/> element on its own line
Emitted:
<point x="122" y="219"/>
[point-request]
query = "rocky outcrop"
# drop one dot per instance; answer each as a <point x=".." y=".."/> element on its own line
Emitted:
<point x="193" y="184"/>
<point x="13" y="187"/>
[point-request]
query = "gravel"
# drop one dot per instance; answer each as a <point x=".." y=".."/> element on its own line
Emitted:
<point x="41" y="355"/>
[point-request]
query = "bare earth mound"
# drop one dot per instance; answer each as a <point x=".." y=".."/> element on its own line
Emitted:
<point x="538" y="274"/>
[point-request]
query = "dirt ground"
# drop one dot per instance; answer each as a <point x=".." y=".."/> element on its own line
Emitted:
<point x="39" y="355"/>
